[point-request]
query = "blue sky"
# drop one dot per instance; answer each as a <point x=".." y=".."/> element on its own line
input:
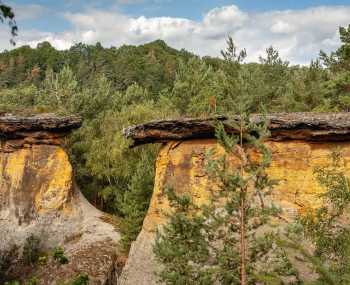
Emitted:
<point x="299" y="29"/>
<point x="192" y="9"/>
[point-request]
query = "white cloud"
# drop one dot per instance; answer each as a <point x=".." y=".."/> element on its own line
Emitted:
<point x="297" y="34"/>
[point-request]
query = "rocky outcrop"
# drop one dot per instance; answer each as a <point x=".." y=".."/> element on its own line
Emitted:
<point x="283" y="126"/>
<point x="38" y="197"/>
<point x="298" y="143"/>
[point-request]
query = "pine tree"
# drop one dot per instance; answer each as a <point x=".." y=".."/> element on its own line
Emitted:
<point x="326" y="228"/>
<point x="230" y="240"/>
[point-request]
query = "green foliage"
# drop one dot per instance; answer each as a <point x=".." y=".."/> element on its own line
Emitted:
<point x="197" y="89"/>
<point x="42" y="260"/>
<point x="7" y="259"/>
<point x="337" y="88"/>
<point x="340" y="59"/>
<point x="220" y="242"/>
<point x="81" y="279"/>
<point x="33" y="281"/>
<point x="58" y="255"/>
<point x="326" y="228"/>
<point x="14" y="282"/>
<point x="31" y="250"/>
<point x="136" y="199"/>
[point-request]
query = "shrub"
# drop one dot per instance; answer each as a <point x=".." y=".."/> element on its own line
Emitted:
<point x="31" y="250"/>
<point x="7" y="259"/>
<point x="82" y="279"/>
<point x="42" y="260"/>
<point x="59" y="256"/>
<point x="14" y="282"/>
<point x="33" y="281"/>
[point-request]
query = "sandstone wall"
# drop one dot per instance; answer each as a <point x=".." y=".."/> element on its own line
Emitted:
<point x="38" y="196"/>
<point x="180" y="164"/>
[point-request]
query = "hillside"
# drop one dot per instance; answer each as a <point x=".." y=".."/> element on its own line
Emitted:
<point x="151" y="65"/>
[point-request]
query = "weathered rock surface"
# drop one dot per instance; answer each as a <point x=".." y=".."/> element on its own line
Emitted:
<point x="299" y="142"/>
<point x="38" y="196"/>
<point x="303" y="126"/>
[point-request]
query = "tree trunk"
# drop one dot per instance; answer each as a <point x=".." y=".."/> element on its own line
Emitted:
<point x="242" y="243"/>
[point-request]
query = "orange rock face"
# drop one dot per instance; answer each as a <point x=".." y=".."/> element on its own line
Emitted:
<point x="181" y="165"/>
<point x="35" y="181"/>
<point x="38" y="197"/>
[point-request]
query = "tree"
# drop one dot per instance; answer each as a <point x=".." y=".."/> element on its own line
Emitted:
<point x="232" y="54"/>
<point x="197" y="90"/>
<point x="274" y="75"/>
<point x="326" y="228"/>
<point x="219" y="243"/>
<point x="234" y="84"/>
<point x="7" y="14"/>
<point x="339" y="59"/>
<point x="337" y="89"/>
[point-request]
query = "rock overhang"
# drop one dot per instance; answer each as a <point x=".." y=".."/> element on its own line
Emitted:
<point x="17" y="131"/>
<point x="299" y="142"/>
<point x="13" y="125"/>
<point x="39" y="197"/>
<point x="282" y="126"/>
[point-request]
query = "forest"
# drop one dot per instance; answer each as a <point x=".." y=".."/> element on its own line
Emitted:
<point x="112" y="88"/>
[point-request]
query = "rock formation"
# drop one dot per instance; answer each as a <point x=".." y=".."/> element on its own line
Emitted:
<point x="298" y="143"/>
<point x="38" y="197"/>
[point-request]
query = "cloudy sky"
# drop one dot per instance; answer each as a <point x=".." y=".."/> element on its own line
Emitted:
<point x="297" y="28"/>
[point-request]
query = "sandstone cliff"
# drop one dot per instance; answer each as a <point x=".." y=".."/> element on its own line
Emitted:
<point x="298" y="142"/>
<point x="38" y="196"/>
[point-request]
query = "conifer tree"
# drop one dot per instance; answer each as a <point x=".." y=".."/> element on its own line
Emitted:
<point x="229" y="240"/>
<point x="326" y="228"/>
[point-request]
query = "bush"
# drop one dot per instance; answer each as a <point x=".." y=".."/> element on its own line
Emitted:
<point x="82" y="279"/>
<point x="7" y="259"/>
<point x="33" y="281"/>
<point x="31" y="250"/>
<point x="42" y="260"/>
<point x="59" y="256"/>
<point x="12" y="283"/>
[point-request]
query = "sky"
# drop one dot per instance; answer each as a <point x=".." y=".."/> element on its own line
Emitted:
<point x="298" y="29"/>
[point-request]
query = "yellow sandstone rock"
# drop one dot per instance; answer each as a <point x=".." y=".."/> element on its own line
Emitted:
<point x="35" y="181"/>
<point x="38" y="197"/>
<point x="181" y="165"/>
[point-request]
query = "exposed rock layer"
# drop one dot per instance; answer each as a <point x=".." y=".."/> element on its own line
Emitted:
<point x="13" y="125"/>
<point x="302" y="126"/>
<point x="38" y="196"/>
<point x="299" y="143"/>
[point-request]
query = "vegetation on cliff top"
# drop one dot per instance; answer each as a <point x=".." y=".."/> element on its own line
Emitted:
<point x="112" y="88"/>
